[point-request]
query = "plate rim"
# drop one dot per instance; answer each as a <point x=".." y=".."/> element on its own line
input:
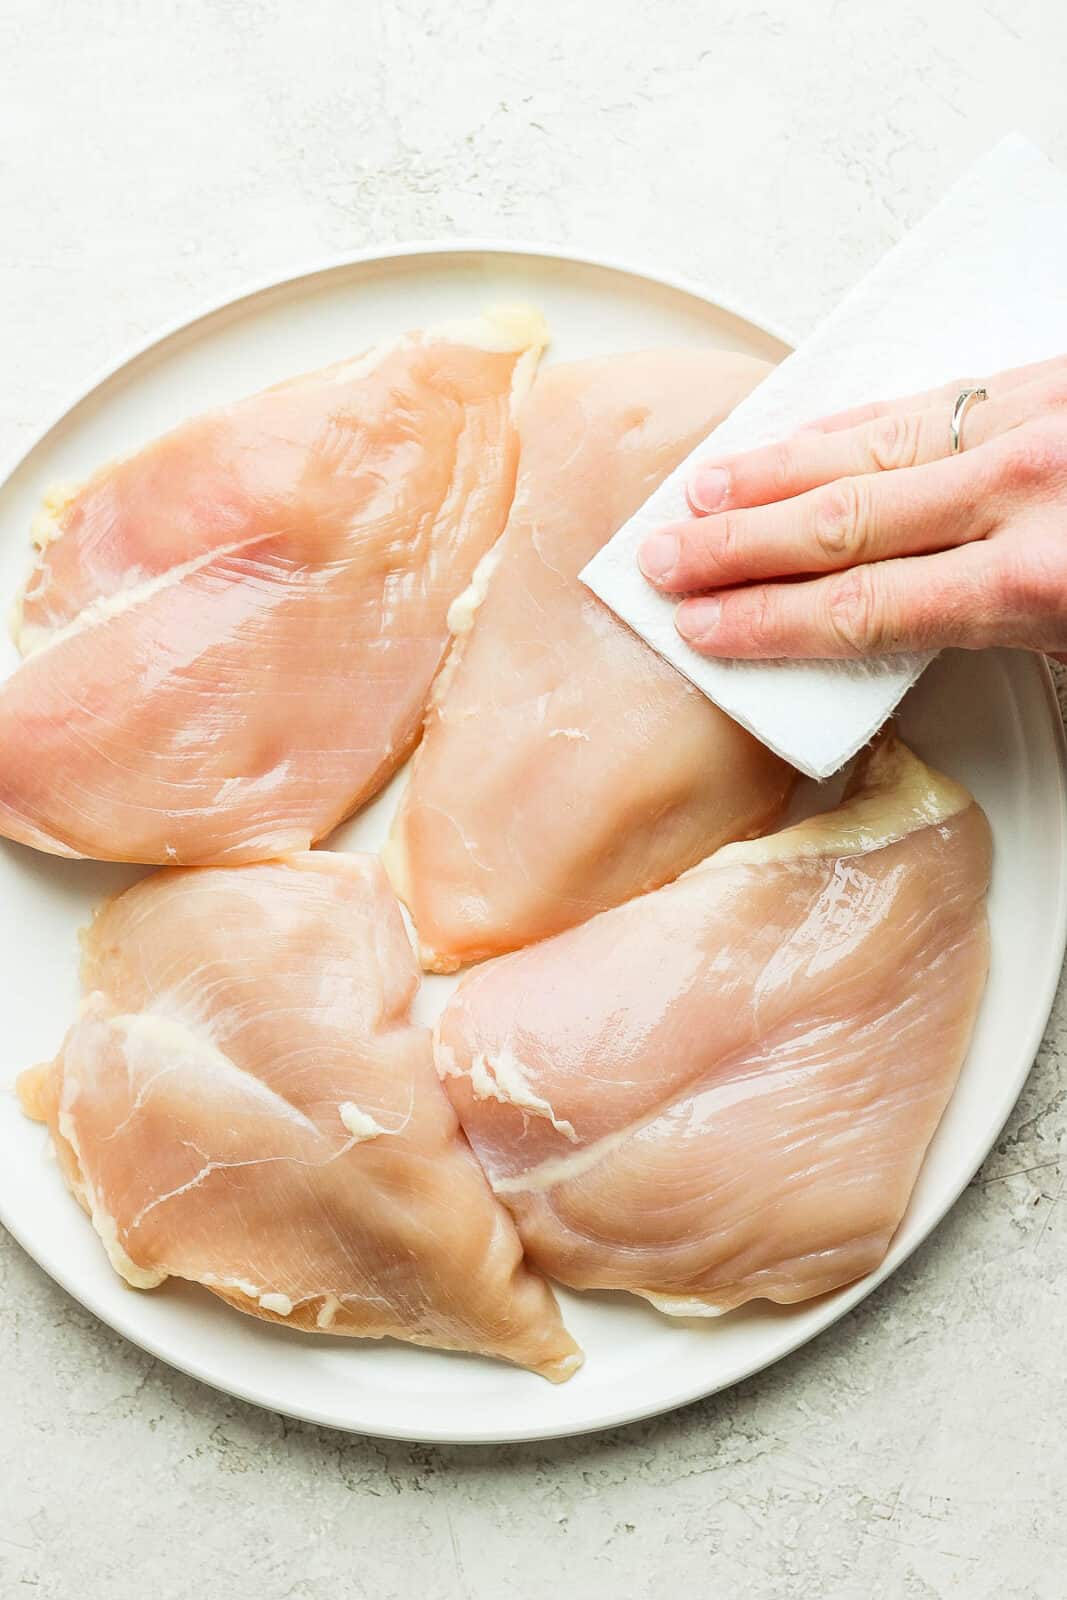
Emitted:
<point x="846" y="1299"/>
<point x="402" y="250"/>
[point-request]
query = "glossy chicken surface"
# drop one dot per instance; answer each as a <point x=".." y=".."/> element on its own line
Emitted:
<point x="565" y="767"/>
<point x="244" y="1102"/>
<point x="230" y="636"/>
<point x="724" y="1090"/>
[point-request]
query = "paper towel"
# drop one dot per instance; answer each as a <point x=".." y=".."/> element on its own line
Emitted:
<point x="980" y="285"/>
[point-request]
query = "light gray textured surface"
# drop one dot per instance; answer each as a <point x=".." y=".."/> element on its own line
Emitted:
<point x="157" y="155"/>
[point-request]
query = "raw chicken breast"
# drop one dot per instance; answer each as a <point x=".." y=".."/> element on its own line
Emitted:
<point x="724" y="1091"/>
<point x="244" y="1102"/>
<point x="231" y="634"/>
<point x="565" y="766"/>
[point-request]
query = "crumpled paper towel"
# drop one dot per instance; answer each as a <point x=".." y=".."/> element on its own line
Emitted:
<point x="980" y="285"/>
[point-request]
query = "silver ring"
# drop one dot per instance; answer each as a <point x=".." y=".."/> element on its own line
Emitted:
<point x="964" y="400"/>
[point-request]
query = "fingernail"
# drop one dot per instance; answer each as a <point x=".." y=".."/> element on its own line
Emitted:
<point x="658" y="556"/>
<point x="708" y="488"/>
<point x="697" y="620"/>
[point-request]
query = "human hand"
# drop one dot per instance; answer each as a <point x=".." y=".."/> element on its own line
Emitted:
<point x="864" y="535"/>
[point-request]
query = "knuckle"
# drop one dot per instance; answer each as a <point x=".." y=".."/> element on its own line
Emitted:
<point x="1056" y="390"/>
<point x="1026" y="589"/>
<point x="782" y="467"/>
<point x="894" y="443"/>
<point x="838" y="520"/>
<point x="724" y="543"/>
<point x="760" y="615"/>
<point x="1031" y="457"/>
<point x="856" y="616"/>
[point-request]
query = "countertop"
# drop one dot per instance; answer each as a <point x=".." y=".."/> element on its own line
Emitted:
<point x="157" y="156"/>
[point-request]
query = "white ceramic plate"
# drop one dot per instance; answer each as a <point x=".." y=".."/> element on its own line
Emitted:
<point x="990" y="720"/>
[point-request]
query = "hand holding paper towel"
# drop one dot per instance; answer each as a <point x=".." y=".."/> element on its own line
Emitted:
<point x="922" y="547"/>
<point x="978" y="287"/>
